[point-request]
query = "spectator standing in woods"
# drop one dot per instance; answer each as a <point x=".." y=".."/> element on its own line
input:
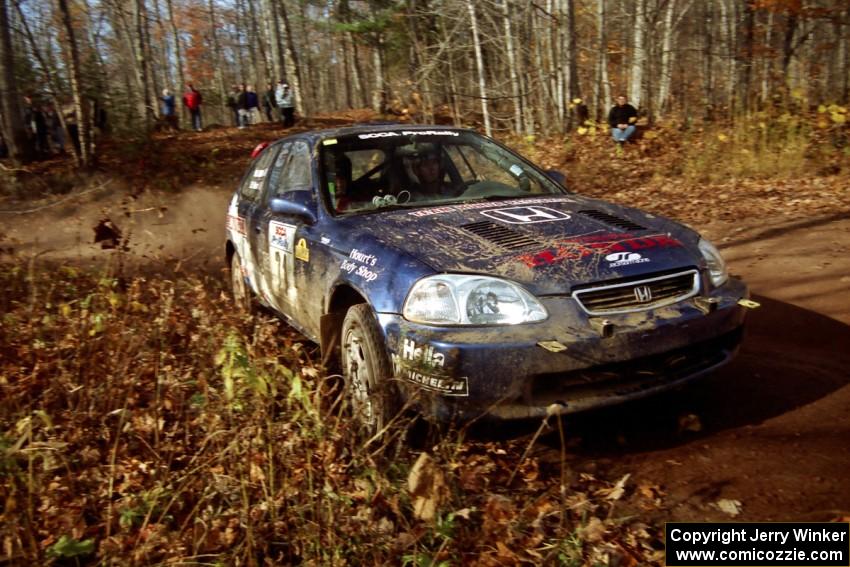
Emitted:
<point x="54" y="128"/>
<point x="241" y="105"/>
<point x="29" y="122"/>
<point x="252" y="105"/>
<point x="169" y="110"/>
<point x="269" y="101"/>
<point x="622" y="120"/>
<point x="286" y="103"/>
<point x="70" y="113"/>
<point x="193" y="100"/>
<point x="42" y="144"/>
<point x="233" y="103"/>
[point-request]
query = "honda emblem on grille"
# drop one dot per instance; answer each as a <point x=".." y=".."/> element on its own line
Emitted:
<point x="643" y="293"/>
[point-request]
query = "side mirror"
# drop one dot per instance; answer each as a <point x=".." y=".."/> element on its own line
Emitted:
<point x="558" y="177"/>
<point x="292" y="209"/>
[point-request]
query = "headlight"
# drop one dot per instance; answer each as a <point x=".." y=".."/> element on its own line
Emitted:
<point x="453" y="299"/>
<point x="714" y="262"/>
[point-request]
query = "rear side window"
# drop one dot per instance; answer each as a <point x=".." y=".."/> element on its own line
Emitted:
<point x="295" y="174"/>
<point x="279" y="164"/>
<point x="253" y="183"/>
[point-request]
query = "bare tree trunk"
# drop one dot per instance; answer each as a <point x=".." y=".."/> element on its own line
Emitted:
<point x="272" y="31"/>
<point x="291" y="58"/>
<point x="357" y="72"/>
<point x="708" y="60"/>
<point x="83" y="158"/>
<point x="745" y="60"/>
<point x="845" y="58"/>
<point x="767" y="61"/>
<point x="142" y="64"/>
<point x="241" y="29"/>
<point x="454" y="102"/>
<point x="178" y="54"/>
<point x="666" y="58"/>
<point x="574" y="90"/>
<point x="603" y="86"/>
<point x="728" y="39"/>
<point x="512" y="66"/>
<point x="14" y="129"/>
<point x="638" y="54"/>
<point x="219" y="78"/>
<point x="479" y="64"/>
<point x="166" y="77"/>
<point x="556" y="52"/>
<point x="545" y="102"/>
<point x="261" y="45"/>
<point x="788" y="42"/>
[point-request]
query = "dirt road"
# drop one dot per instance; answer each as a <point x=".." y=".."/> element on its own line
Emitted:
<point x="770" y="431"/>
<point x="774" y="432"/>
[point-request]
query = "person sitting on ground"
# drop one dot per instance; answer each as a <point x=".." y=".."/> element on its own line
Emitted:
<point x="622" y="120"/>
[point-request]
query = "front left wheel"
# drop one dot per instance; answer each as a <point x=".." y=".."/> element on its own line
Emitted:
<point x="368" y="371"/>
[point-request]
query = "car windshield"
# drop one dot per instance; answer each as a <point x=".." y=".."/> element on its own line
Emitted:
<point x="414" y="168"/>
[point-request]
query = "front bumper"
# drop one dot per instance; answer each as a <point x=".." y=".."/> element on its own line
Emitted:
<point x="504" y="372"/>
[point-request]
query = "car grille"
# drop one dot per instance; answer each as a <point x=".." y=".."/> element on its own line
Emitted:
<point x="638" y="295"/>
<point x="612" y="220"/>
<point x="504" y="237"/>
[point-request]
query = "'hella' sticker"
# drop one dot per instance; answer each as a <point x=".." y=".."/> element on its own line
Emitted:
<point x="526" y="215"/>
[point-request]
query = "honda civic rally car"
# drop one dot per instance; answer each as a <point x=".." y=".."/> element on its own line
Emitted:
<point x="439" y="269"/>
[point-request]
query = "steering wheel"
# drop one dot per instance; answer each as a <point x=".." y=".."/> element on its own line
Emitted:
<point x="402" y="197"/>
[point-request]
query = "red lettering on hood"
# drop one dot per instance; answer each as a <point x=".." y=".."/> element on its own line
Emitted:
<point x="604" y="244"/>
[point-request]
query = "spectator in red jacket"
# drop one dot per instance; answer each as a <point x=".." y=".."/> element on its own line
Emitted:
<point x="192" y="99"/>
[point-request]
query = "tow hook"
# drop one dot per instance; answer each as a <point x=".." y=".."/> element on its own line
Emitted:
<point x="706" y="304"/>
<point x="604" y="327"/>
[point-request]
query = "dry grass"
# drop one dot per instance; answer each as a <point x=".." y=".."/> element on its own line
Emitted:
<point x="144" y="423"/>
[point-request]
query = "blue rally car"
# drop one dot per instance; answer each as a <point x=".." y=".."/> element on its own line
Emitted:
<point x="439" y="268"/>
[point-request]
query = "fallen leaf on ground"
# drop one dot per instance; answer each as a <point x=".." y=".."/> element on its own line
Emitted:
<point x="731" y="507"/>
<point x="427" y="485"/>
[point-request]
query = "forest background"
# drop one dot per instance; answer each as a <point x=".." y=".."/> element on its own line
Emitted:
<point x="533" y="68"/>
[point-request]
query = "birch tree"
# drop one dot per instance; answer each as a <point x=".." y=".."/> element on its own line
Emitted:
<point x="81" y="108"/>
<point x="638" y="54"/>
<point x="603" y="86"/>
<point x="479" y="64"/>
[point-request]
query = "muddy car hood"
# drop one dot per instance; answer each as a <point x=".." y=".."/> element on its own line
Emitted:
<point x="549" y="245"/>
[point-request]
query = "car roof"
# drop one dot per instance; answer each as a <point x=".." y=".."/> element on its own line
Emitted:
<point x="372" y="127"/>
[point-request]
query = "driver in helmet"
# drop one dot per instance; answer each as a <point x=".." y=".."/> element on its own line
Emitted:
<point x="342" y="183"/>
<point x="427" y="166"/>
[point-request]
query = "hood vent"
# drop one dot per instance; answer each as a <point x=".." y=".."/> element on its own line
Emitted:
<point x="612" y="220"/>
<point x="497" y="234"/>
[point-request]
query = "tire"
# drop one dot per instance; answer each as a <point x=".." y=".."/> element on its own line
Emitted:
<point x="367" y="370"/>
<point x="241" y="292"/>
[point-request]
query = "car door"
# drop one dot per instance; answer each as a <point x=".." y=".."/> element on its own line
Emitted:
<point x="241" y="212"/>
<point x="256" y="220"/>
<point x="287" y="239"/>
